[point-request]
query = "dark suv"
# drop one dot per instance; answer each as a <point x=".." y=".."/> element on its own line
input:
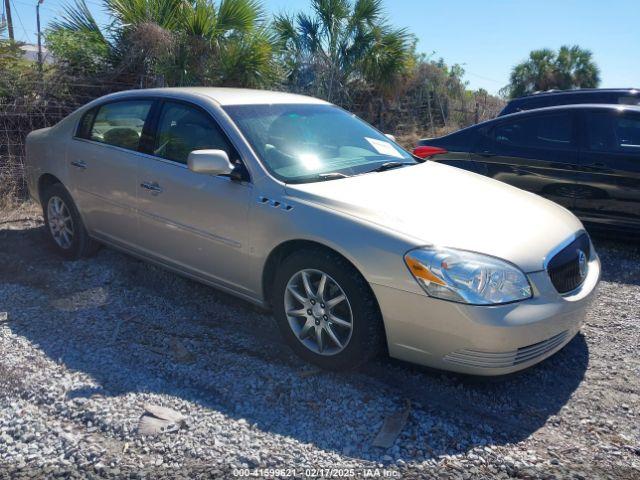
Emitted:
<point x="623" y="96"/>
<point x="584" y="157"/>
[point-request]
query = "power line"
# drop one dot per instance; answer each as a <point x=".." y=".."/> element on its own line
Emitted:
<point x="26" y="35"/>
<point x="88" y="2"/>
<point x="42" y="7"/>
<point x="484" y="78"/>
<point x="55" y="10"/>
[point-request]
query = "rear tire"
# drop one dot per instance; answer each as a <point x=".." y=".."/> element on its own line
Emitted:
<point x="65" y="230"/>
<point x="303" y="307"/>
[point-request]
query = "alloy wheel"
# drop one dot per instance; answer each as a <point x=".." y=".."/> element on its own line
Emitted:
<point x="318" y="312"/>
<point x="60" y="222"/>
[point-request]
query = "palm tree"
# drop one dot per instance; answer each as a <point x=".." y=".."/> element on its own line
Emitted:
<point x="576" y="68"/>
<point x="570" y="67"/>
<point x="180" y="42"/>
<point x="341" y="43"/>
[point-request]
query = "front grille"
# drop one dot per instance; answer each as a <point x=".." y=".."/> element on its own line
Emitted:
<point x="480" y="359"/>
<point x="564" y="268"/>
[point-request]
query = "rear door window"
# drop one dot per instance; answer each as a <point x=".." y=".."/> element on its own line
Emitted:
<point x="550" y="132"/>
<point x="120" y="123"/>
<point x="611" y="132"/>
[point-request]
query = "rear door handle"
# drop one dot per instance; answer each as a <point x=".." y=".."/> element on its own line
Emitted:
<point x="79" y="164"/>
<point x="596" y="165"/>
<point x="487" y="154"/>
<point x="152" y="186"/>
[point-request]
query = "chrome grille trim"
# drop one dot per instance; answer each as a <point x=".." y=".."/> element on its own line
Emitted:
<point x="475" y="358"/>
<point x="563" y="267"/>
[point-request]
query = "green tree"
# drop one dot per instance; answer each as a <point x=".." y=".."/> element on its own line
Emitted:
<point x="545" y="69"/>
<point x="82" y="53"/>
<point x="16" y="74"/>
<point x="342" y="43"/>
<point x="176" y="42"/>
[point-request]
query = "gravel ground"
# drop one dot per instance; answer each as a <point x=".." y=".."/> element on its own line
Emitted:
<point x="86" y="344"/>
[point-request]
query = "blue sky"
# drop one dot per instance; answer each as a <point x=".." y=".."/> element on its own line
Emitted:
<point x="488" y="37"/>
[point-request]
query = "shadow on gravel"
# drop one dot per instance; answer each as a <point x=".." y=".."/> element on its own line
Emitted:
<point x="115" y="318"/>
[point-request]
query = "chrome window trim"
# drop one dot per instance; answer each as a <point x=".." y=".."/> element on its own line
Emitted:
<point x="216" y="113"/>
<point x="153" y="157"/>
<point x="133" y="152"/>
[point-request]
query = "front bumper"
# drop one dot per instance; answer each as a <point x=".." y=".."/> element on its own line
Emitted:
<point x="485" y="340"/>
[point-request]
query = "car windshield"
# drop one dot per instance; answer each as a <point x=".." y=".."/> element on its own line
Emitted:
<point x="305" y="143"/>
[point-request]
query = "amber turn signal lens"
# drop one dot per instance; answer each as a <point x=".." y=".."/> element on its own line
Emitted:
<point x="420" y="271"/>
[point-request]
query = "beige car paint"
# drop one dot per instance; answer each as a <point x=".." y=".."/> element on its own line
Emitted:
<point x="221" y="232"/>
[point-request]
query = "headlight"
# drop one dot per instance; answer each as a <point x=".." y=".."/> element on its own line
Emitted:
<point x="467" y="277"/>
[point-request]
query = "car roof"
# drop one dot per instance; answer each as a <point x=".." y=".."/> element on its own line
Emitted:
<point x="572" y="106"/>
<point x="554" y="108"/>
<point x="225" y="96"/>
<point x="577" y="91"/>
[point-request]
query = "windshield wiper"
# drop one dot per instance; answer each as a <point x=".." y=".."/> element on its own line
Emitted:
<point x="332" y="176"/>
<point x="389" y="166"/>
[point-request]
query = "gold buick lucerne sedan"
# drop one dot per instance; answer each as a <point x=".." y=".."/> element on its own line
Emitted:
<point x="301" y="207"/>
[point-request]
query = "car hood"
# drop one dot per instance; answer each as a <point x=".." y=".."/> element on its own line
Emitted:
<point x="435" y="204"/>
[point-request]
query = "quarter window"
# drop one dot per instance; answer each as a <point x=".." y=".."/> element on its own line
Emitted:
<point x="120" y="123"/>
<point x="611" y="132"/>
<point x="183" y="129"/>
<point x="540" y="131"/>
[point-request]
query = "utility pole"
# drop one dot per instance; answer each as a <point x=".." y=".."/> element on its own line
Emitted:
<point x="39" y="35"/>
<point x="7" y="7"/>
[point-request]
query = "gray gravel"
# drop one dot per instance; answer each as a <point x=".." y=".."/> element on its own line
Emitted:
<point x="85" y="345"/>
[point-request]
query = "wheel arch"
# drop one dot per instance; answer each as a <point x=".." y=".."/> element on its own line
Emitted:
<point x="45" y="181"/>
<point x="286" y="248"/>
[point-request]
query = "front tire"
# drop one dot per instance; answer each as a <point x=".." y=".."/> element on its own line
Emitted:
<point x="64" y="227"/>
<point x="326" y="310"/>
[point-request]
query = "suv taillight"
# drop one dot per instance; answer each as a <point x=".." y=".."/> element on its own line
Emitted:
<point x="427" y="151"/>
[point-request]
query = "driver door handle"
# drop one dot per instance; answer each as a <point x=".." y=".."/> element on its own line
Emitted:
<point x="152" y="186"/>
<point x="79" y="164"/>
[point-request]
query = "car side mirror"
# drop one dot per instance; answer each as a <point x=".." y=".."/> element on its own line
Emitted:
<point x="390" y="137"/>
<point x="212" y="162"/>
